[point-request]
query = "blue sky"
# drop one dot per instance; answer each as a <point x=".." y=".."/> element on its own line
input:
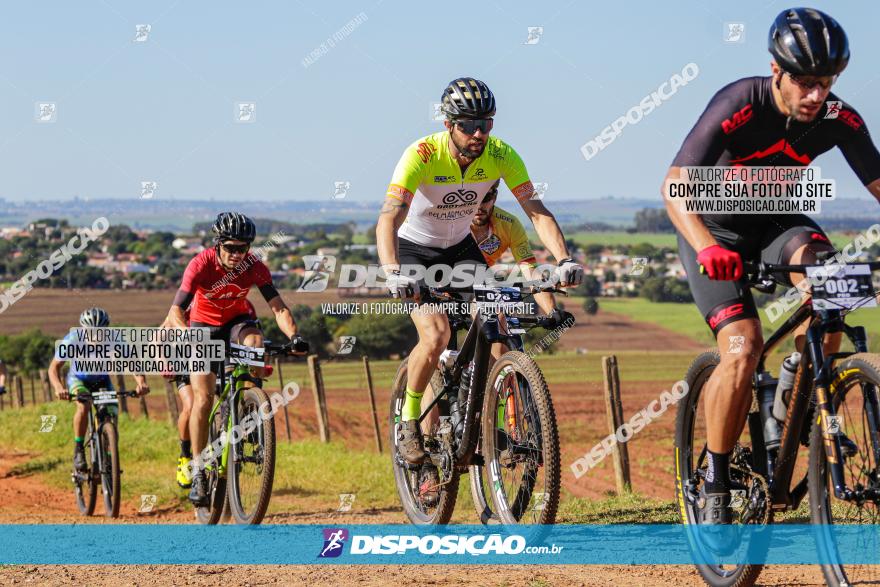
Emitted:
<point x="164" y="110"/>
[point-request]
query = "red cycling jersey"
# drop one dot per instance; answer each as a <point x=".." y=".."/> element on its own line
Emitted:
<point x="218" y="295"/>
<point x="252" y="313"/>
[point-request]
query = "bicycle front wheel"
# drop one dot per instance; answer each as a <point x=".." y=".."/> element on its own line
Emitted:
<point x="854" y="390"/>
<point x="252" y="463"/>
<point x="85" y="484"/>
<point x="111" y="484"/>
<point x="216" y="482"/>
<point x="520" y="442"/>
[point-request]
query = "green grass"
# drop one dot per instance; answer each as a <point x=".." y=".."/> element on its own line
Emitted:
<point x="561" y="367"/>
<point x="613" y="238"/>
<point x="679" y="318"/>
<point x="309" y="475"/>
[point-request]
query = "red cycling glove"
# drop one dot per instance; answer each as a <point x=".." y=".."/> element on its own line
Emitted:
<point x="720" y="263"/>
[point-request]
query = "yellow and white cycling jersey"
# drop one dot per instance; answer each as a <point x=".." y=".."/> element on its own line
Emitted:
<point x="444" y="199"/>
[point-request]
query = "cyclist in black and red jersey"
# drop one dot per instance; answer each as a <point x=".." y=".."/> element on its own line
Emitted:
<point x="217" y="282"/>
<point x="786" y="119"/>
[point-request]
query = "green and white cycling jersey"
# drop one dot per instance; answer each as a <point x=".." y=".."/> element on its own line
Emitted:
<point x="443" y="198"/>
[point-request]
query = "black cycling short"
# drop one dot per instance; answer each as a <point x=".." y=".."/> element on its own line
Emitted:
<point x="231" y="331"/>
<point x="465" y="252"/>
<point x="770" y="241"/>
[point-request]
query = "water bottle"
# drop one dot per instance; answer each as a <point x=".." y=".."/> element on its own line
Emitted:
<point x="785" y="385"/>
<point x="767" y="387"/>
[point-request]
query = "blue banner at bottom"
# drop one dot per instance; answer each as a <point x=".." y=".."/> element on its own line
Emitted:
<point x="402" y="544"/>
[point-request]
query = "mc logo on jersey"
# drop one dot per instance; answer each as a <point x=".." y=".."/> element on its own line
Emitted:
<point x="738" y="119"/>
<point x="318" y="271"/>
<point x="334" y="541"/>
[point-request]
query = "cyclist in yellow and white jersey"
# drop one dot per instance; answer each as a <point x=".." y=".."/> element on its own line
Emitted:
<point x="437" y="186"/>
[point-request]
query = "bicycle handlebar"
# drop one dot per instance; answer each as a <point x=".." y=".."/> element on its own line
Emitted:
<point x="756" y="273"/>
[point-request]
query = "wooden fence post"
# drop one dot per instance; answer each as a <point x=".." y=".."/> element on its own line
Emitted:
<point x="171" y="398"/>
<point x="281" y="387"/>
<point x="320" y="398"/>
<point x="44" y="382"/>
<point x="372" y="403"/>
<point x="19" y="391"/>
<point x="120" y="385"/>
<point x="33" y="389"/>
<point x="614" y="411"/>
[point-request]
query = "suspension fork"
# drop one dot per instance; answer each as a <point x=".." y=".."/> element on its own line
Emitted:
<point x="825" y="408"/>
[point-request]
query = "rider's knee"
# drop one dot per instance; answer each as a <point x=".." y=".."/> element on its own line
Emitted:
<point x="435" y="341"/>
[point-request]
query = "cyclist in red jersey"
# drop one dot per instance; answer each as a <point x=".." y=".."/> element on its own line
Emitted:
<point x="184" y="389"/>
<point x="216" y="282"/>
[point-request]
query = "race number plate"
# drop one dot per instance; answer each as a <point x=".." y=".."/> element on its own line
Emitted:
<point x="247" y="355"/>
<point x="509" y="300"/>
<point x="104" y="397"/>
<point x="845" y="287"/>
<point x="497" y="295"/>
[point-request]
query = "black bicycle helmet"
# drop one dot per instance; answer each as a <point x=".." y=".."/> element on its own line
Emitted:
<point x="805" y="41"/>
<point x="234" y="226"/>
<point x="94" y="318"/>
<point x="467" y="97"/>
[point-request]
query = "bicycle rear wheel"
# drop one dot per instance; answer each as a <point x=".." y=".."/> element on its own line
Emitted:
<point x="855" y="400"/>
<point x="520" y="442"/>
<point x="111" y="484"/>
<point x="252" y="468"/>
<point x="85" y="484"/>
<point x="407" y="478"/>
<point x="216" y="483"/>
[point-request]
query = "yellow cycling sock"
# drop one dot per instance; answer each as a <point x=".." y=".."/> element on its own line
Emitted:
<point x="412" y="406"/>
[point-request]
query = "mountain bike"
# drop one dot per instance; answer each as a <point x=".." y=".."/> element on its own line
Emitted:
<point x="514" y="447"/>
<point x="833" y="410"/>
<point x="241" y="472"/>
<point x="101" y="445"/>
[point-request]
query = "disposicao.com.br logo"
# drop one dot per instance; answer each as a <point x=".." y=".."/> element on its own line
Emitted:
<point x="430" y="544"/>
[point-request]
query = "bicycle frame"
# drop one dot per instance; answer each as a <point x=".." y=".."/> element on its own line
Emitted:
<point x="237" y="376"/>
<point x="481" y="334"/>
<point x="778" y="465"/>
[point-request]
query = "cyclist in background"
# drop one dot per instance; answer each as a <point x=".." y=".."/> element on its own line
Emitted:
<point x="3" y="374"/>
<point x="83" y="384"/>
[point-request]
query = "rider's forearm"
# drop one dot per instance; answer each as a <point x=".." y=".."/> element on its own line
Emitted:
<point x="175" y="318"/>
<point x="690" y="226"/>
<point x="550" y="234"/>
<point x="874" y="188"/>
<point x="55" y="374"/>
<point x="545" y="301"/>
<point x="285" y="321"/>
<point x="386" y="244"/>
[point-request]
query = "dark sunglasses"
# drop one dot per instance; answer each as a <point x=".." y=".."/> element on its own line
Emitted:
<point x="469" y="125"/>
<point x="810" y="82"/>
<point x="233" y="249"/>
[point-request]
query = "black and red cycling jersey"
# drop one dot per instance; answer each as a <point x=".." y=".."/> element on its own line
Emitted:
<point x="742" y="125"/>
<point x="219" y="295"/>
